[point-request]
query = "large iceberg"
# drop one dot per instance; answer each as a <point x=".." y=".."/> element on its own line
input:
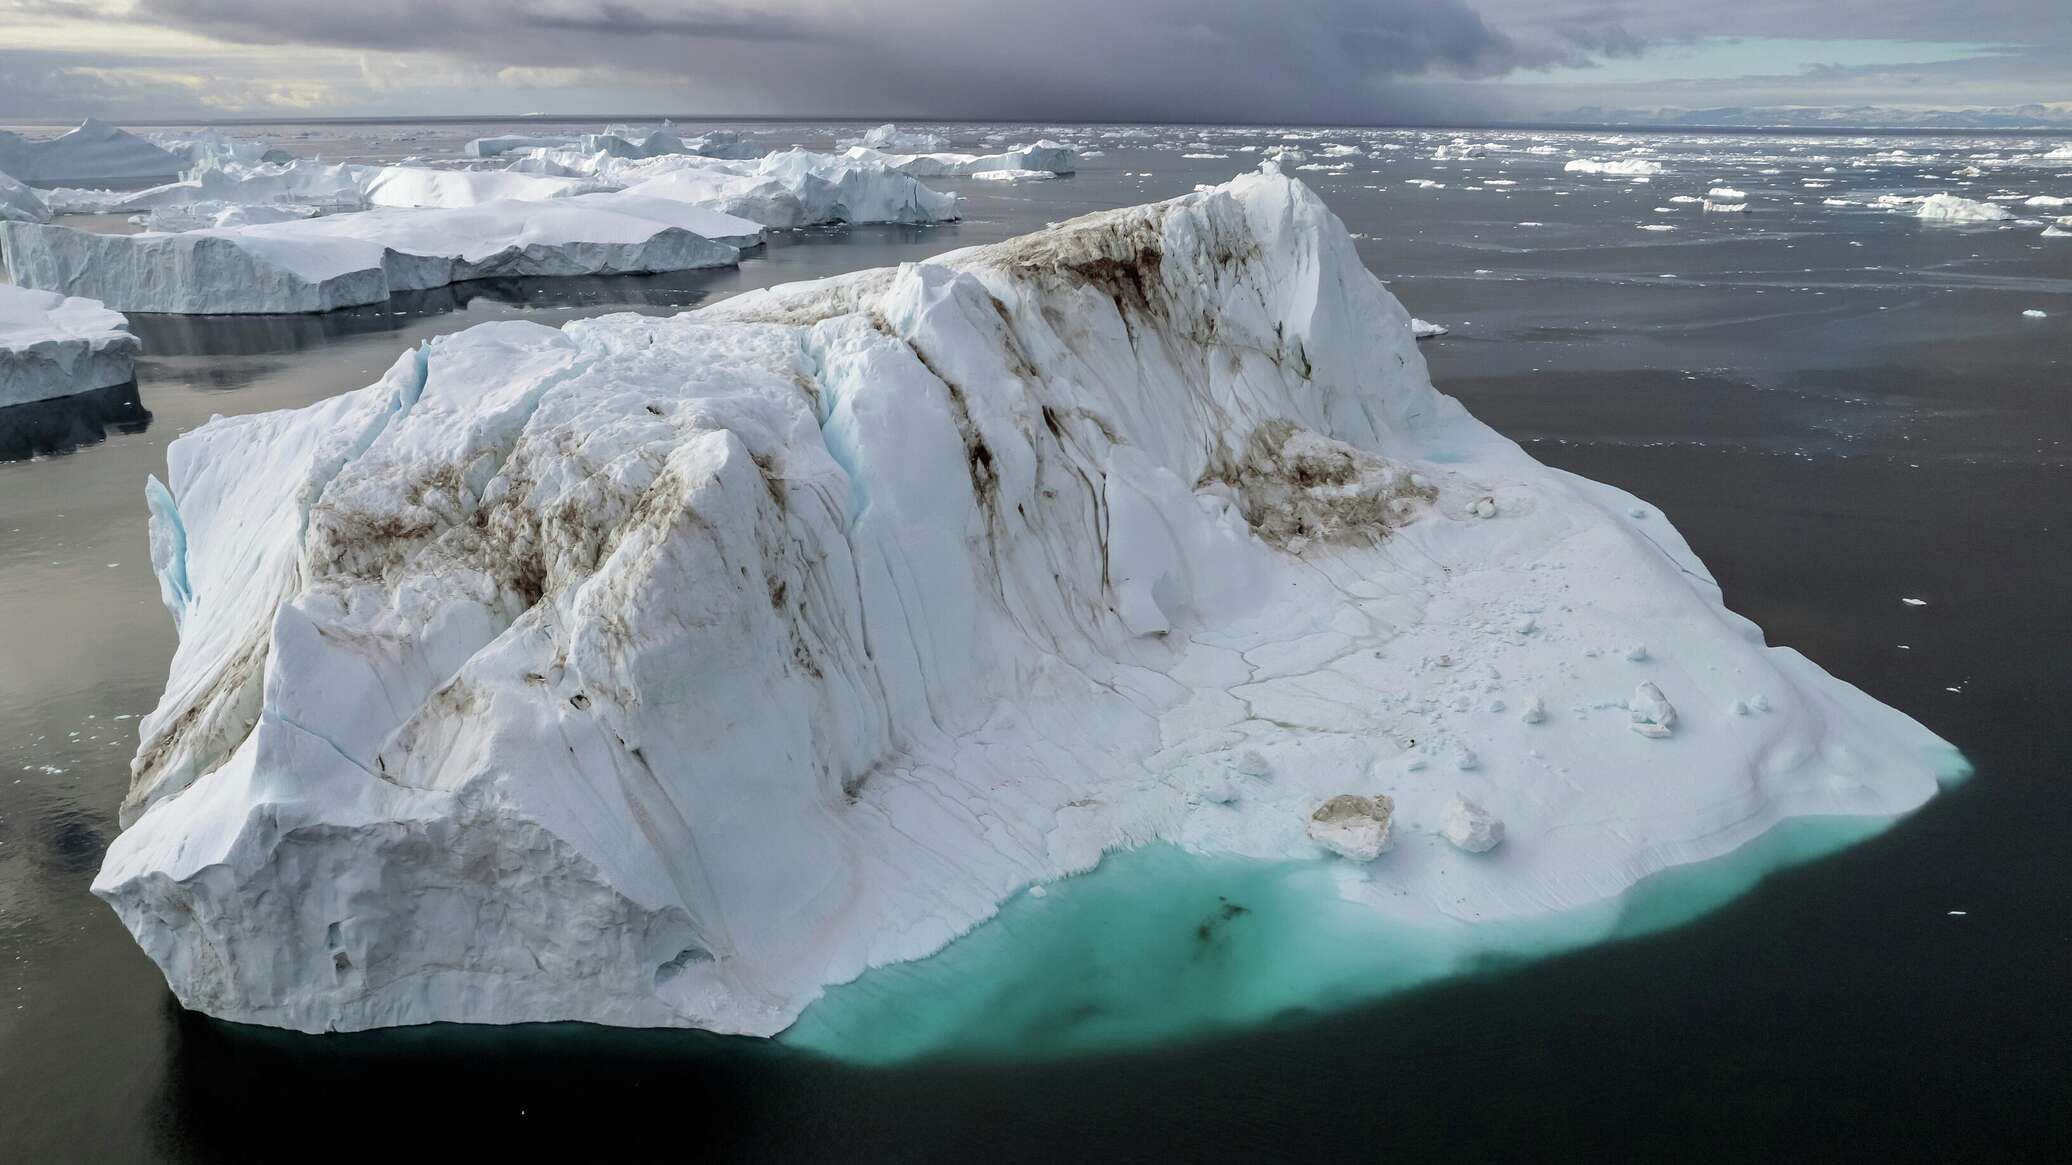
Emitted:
<point x="95" y="152"/>
<point x="18" y="203"/>
<point x="1055" y="157"/>
<point x="345" y="260"/>
<point x="894" y="140"/>
<point x="797" y="188"/>
<point x="54" y="345"/>
<point x="665" y="671"/>
<point x="621" y="142"/>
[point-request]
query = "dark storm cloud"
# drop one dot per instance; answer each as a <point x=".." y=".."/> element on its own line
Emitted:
<point x="1062" y="58"/>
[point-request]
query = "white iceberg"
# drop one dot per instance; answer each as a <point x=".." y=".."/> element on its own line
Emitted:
<point x="893" y="140"/>
<point x="1627" y="166"/>
<point x="18" y="203"/>
<point x="1953" y="209"/>
<point x="53" y="345"/>
<point x="419" y="186"/>
<point x="1055" y="157"/>
<point x="622" y="142"/>
<point x="95" y="152"/>
<point x="214" y="147"/>
<point x="345" y="260"/>
<point x="665" y="671"/>
<point x="297" y="182"/>
<point x="797" y="188"/>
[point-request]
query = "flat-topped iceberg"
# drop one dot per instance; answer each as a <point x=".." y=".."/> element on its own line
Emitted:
<point x="1951" y="208"/>
<point x="95" y="152"/>
<point x="1055" y="157"/>
<point x="54" y="345"/>
<point x="345" y="260"/>
<point x="1617" y="166"/>
<point x="783" y="191"/>
<point x="620" y="142"/>
<point x="666" y="671"/>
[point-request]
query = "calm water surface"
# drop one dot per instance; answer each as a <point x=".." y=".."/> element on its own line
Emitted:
<point x="1840" y="408"/>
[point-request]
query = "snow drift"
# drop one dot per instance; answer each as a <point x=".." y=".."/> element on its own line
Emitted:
<point x="665" y="671"/>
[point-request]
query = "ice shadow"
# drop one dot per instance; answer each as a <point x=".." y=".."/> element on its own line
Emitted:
<point x="62" y="424"/>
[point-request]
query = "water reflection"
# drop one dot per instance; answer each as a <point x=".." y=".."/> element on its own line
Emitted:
<point x="63" y="424"/>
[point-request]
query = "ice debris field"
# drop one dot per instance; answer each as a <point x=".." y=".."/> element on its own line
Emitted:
<point x="858" y="657"/>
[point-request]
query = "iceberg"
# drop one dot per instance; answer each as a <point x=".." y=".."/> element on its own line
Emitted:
<point x="95" y="152"/>
<point x="797" y="188"/>
<point x="1621" y="166"/>
<point x="1950" y="208"/>
<point x="620" y="142"/>
<point x="1054" y="157"/>
<point x="303" y="183"/>
<point x="213" y="147"/>
<point x="55" y="345"/>
<point x="893" y="140"/>
<point x="345" y="260"/>
<point x="666" y="671"/>
<point x="18" y="203"/>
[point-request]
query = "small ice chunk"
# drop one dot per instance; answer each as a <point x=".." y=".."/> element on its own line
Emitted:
<point x="2035" y="314"/>
<point x="1253" y="763"/>
<point x="1653" y="716"/>
<point x="1911" y="602"/>
<point x="1759" y="702"/>
<point x="1738" y="707"/>
<point x="1535" y="711"/>
<point x="1525" y="625"/>
<point x="1483" y="508"/>
<point x="1352" y="826"/>
<point x="1471" y="827"/>
<point x="1465" y="759"/>
<point x="1637" y="653"/>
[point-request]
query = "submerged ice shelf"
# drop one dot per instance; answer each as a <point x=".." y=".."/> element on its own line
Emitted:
<point x="669" y="671"/>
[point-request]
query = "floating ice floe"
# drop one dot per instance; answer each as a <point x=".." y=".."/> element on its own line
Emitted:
<point x="95" y="152"/>
<point x="54" y="345"/>
<point x="1952" y="209"/>
<point x="1726" y="208"/>
<point x="664" y="671"/>
<point x="1013" y="175"/>
<point x="1425" y="330"/>
<point x="2035" y="314"/>
<point x="1626" y="166"/>
<point x="18" y="203"/>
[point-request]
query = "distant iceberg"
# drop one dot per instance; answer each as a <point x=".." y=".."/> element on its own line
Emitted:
<point x="1627" y="166"/>
<point x="18" y="203"/>
<point x="54" y="345"/>
<point x="893" y="140"/>
<point x="1952" y="209"/>
<point x="1055" y="157"/>
<point x="95" y="152"/>
<point x="666" y="671"/>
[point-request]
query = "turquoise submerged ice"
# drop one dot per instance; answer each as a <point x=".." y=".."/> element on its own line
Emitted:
<point x="674" y="671"/>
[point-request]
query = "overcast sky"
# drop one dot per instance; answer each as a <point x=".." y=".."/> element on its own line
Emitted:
<point x="1364" y="61"/>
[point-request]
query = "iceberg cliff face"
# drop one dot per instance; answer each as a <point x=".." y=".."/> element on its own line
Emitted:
<point x="52" y="346"/>
<point x="665" y="671"/>
<point x="18" y="203"/>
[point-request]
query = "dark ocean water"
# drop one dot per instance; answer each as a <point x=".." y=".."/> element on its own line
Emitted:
<point x="1839" y="407"/>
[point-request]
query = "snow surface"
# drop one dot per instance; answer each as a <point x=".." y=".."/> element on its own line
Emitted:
<point x="95" y="152"/>
<point x="666" y="671"/>
<point x="51" y="345"/>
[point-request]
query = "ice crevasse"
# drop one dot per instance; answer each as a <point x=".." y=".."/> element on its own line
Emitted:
<point x="668" y="671"/>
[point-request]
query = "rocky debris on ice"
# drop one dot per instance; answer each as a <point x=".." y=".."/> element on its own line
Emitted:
<point x="891" y="139"/>
<point x="1046" y="155"/>
<point x="52" y="345"/>
<point x="1470" y="827"/>
<point x="662" y="671"/>
<point x="345" y="260"/>
<point x="95" y="152"/>
<point x="1650" y="712"/>
<point x="1352" y="826"/>
<point x="1950" y="208"/>
<point x="1622" y="166"/>
<point x="18" y="203"/>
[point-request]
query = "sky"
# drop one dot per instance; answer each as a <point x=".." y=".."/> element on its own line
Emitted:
<point x="1374" y="62"/>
